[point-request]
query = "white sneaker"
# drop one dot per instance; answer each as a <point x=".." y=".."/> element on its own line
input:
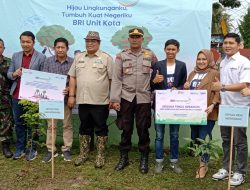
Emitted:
<point x="158" y="167"/>
<point x="220" y="175"/>
<point x="237" y="179"/>
<point x="176" y="168"/>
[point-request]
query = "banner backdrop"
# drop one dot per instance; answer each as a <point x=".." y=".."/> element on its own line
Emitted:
<point x="187" y="21"/>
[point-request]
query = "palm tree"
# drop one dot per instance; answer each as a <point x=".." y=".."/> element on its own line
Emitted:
<point x="230" y="3"/>
<point x="217" y="16"/>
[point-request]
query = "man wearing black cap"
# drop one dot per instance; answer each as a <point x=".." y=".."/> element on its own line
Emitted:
<point x="130" y="97"/>
<point x="91" y="73"/>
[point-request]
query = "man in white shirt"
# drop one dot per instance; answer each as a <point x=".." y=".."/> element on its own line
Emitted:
<point x="234" y="76"/>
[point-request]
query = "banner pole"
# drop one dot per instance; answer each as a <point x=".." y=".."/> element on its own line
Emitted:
<point x="231" y="155"/>
<point x="52" y="149"/>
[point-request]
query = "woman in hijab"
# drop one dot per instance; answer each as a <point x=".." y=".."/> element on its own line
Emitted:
<point x="201" y="78"/>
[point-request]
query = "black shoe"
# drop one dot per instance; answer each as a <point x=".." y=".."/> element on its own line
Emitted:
<point x="123" y="162"/>
<point x="6" y="150"/>
<point x="48" y="156"/>
<point x="66" y="155"/>
<point x="144" y="163"/>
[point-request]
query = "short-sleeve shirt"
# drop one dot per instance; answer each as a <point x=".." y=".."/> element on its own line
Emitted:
<point x="235" y="69"/>
<point x="131" y="76"/>
<point x="52" y="65"/>
<point x="92" y="73"/>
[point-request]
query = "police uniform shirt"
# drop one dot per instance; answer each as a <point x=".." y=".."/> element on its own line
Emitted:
<point x="92" y="77"/>
<point x="235" y="69"/>
<point x="131" y="76"/>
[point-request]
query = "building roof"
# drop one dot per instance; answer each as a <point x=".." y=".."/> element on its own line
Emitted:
<point x="245" y="52"/>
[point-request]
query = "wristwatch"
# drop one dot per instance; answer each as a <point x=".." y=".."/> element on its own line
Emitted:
<point x="223" y="88"/>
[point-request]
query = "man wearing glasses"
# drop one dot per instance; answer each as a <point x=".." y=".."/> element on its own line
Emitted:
<point x="131" y="97"/>
<point x="89" y="86"/>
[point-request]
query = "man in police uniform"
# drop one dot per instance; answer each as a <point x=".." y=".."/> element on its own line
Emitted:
<point x="91" y="73"/>
<point x="6" y="119"/>
<point x="130" y="96"/>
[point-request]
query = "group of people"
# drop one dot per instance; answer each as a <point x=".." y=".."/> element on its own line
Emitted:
<point x="98" y="84"/>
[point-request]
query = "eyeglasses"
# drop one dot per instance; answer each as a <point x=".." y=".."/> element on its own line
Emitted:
<point x="135" y="36"/>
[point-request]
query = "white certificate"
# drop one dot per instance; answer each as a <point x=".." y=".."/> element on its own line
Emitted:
<point x="181" y="107"/>
<point x="37" y="85"/>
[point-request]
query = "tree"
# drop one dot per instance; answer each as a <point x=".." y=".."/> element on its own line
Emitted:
<point x="48" y="34"/>
<point x="244" y="28"/>
<point x="120" y="38"/>
<point x="217" y="16"/>
<point x="230" y="3"/>
<point x="32" y="119"/>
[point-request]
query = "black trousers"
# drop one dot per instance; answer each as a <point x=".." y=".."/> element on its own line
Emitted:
<point x="240" y="148"/>
<point x="98" y="114"/>
<point x="125" y="121"/>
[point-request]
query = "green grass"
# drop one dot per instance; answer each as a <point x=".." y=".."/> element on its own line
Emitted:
<point x="21" y="174"/>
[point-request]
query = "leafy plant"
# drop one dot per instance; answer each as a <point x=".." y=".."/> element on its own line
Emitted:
<point x="230" y="3"/>
<point x="245" y="29"/>
<point x="32" y="119"/>
<point x="206" y="146"/>
<point x="217" y="16"/>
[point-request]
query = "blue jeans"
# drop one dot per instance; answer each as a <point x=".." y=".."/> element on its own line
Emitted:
<point x="201" y="131"/>
<point x="174" y="142"/>
<point x="22" y="131"/>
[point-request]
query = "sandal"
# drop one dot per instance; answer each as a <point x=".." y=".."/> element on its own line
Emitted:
<point x="199" y="174"/>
